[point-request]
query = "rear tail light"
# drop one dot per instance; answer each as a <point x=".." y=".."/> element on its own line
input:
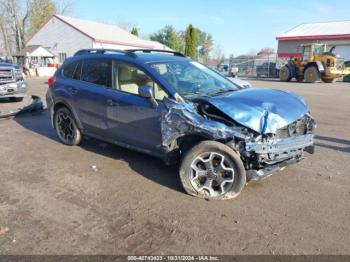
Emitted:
<point x="51" y="80"/>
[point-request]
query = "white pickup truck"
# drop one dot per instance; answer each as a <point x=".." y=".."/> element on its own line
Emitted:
<point x="12" y="84"/>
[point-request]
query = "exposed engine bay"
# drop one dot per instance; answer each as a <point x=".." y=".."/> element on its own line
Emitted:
<point x="262" y="154"/>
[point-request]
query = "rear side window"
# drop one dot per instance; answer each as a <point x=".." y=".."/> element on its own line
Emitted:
<point x="77" y="71"/>
<point x="69" y="69"/>
<point x="97" y="71"/>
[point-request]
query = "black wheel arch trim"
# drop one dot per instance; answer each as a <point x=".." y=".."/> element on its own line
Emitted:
<point x="70" y="108"/>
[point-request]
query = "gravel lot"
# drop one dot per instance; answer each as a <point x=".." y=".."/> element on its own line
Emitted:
<point x="53" y="202"/>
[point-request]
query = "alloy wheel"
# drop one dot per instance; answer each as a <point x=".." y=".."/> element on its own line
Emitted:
<point x="65" y="127"/>
<point x="212" y="173"/>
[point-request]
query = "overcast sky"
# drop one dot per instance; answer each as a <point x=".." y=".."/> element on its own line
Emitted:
<point x="238" y="26"/>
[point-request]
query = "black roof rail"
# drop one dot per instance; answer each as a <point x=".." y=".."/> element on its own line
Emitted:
<point x="101" y="51"/>
<point x="156" y="51"/>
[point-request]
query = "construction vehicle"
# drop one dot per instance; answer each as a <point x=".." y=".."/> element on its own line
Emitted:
<point x="347" y="77"/>
<point x="316" y="63"/>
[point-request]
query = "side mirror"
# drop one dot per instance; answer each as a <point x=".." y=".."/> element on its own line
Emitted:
<point x="147" y="92"/>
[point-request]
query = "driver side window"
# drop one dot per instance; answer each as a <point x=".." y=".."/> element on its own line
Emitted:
<point x="128" y="79"/>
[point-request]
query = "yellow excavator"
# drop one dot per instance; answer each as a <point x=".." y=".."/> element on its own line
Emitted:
<point x="316" y="63"/>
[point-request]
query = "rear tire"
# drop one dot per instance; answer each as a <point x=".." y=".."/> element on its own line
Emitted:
<point x="285" y="74"/>
<point x="66" y="127"/>
<point x="212" y="170"/>
<point x="311" y="75"/>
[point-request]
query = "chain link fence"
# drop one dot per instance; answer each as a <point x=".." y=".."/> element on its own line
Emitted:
<point x="258" y="66"/>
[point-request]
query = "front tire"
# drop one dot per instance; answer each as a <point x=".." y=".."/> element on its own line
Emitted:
<point x="212" y="170"/>
<point x="311" y="75"/>
<point x="66" y="127"/>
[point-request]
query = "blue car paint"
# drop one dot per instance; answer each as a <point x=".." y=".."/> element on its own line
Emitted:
<point x="262" y="110"/>
<point x="181" y="119"/>
<point x="133" y="121"/>
<point x="142" y="61"/>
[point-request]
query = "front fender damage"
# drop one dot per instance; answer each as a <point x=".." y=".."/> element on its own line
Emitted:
<point x="261" y="154"/>
<point x="181" y="119"/>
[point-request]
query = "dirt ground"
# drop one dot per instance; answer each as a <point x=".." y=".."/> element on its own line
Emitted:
<point x="53" y="202"/>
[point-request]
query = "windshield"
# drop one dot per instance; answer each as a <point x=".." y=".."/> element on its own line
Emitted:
<point x="319" y="49"/>
<point x="192" y="79"/>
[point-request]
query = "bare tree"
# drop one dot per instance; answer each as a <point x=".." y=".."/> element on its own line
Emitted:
<point x="5" y="41"/>
<point x="266" y="51"/>
<point x="64" y="7"/>
<point x="218" y="56"/>
<point x="16" y="17"/>
<point x="16" y="21"/>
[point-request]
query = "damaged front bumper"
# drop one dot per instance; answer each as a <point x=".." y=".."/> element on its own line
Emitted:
<point x="276" y="154"/>
<point x="257" y="175"/>
<point x="261" y="154"/>
<point x="280" y="146"/>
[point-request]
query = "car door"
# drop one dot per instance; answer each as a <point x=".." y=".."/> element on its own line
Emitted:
<point x="68" y="83"/>
<point x="91" y="102"/>
<point x="133" y="120"/>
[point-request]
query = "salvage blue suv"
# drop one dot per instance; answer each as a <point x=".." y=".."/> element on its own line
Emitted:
<point x="169" y="106"/>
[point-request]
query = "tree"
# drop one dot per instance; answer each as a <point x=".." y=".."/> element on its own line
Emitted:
<point x="176" y="40"/>
<point x="266" y="51"/>
<point x="169" y="37"/>
<point x="191" y="42"/>
<point x="204" y="44"/>
<point x="218" y="55"/>
<point x="135" y="31"/>
<point x="15" y="18"/>
<point x="64" y="7"/>
<point x="5" y="39"/>
<point x="40" y="11"/>
<point x="21" y="18"/>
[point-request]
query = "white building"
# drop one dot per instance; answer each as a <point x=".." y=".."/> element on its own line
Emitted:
<point x="331" y="33"/>
<point x="63" y="36"/>
<point x="35" y="54"/>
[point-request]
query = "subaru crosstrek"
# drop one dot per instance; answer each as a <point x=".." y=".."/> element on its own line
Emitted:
<point x="169" y="106"/>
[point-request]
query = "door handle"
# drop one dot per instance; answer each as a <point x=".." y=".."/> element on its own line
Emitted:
<point x="111" y="103"/>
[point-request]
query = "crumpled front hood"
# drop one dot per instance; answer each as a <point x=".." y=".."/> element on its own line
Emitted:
<point x="263" y="110"/>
